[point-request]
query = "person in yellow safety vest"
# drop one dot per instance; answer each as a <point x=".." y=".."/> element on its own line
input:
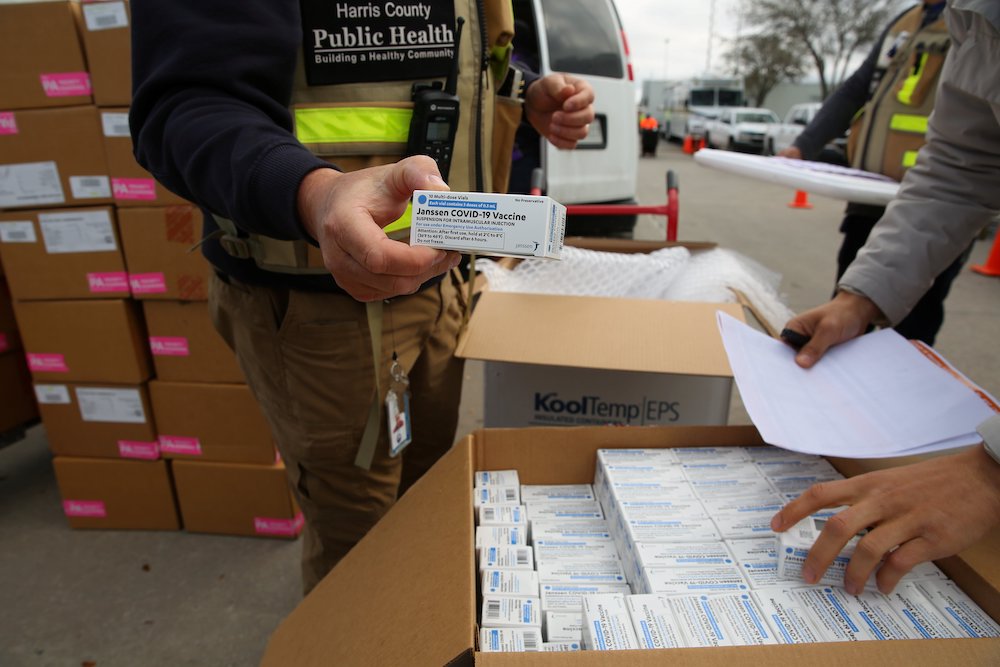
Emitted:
<point x="292" y="124"/>
<point x="886" y="103"/>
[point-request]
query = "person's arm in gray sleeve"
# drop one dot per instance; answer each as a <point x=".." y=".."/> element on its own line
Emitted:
<point x="952" y="192"/>
<point x="839" y="109"/>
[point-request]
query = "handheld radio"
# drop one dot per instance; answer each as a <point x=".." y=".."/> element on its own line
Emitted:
<point x="435" y="115"/>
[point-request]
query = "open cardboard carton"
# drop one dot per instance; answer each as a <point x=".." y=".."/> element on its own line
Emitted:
<point x="406" y="594"/>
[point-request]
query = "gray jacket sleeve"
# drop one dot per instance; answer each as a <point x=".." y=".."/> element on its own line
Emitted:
<point x="954" y="189"/>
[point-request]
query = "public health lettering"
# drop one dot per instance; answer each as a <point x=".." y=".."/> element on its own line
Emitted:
<point x="349" y="42"/>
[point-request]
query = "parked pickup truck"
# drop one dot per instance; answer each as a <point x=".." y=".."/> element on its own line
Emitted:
<point x="780" y="136"/>
<point x="740" y="128"/>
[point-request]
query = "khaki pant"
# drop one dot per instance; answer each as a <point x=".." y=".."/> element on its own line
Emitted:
<point x="307" y="357"/>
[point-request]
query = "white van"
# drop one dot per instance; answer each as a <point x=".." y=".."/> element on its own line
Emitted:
<point x="583" y="38"/>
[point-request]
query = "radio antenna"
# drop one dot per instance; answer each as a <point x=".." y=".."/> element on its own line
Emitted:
<point x="451" y="85"/>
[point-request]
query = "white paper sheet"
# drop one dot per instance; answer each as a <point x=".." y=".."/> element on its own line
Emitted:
<point x="873" y="397"/>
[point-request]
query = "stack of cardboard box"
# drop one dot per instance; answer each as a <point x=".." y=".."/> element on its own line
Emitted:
<point x="144" y="405"/>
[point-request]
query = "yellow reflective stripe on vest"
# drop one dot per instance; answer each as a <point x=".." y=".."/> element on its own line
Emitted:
<point x="330" y="125"/>
<point x="909" y="158"/>
<point x="904" y="122"/>
<point x="402" y="223"/>
<point x="905" y="94"/>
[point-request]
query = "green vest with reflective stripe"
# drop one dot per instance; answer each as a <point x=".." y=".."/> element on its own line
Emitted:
<point x="890" y="130"/>
<point x="359" y="124"/>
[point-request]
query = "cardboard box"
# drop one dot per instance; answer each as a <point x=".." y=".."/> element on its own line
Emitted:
<point x="107" y="44"/>
<point x="84" y="341"/>
<point x="131" y="184"/>
<point x="103" y="493"/>
<point x="98" y="420"/>
<point x="236" y="499"/>
<point x="185" y="345"/>
<point x="10" y="338"/>
<point x="63" y="254"/>
<point x="160" y="252"/>
<point x="343" y="620"/>
<point x="577" y="361"/>
<point x="52" y="157"/>
<point x="210" y="422"/>
<point x="17" y="401"/>
<point x="41" y="57"/>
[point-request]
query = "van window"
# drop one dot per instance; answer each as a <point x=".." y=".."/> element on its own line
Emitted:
<point x="582" y="37"/>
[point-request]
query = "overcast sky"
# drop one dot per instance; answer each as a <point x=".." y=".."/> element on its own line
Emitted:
<point x="670" y="38"/>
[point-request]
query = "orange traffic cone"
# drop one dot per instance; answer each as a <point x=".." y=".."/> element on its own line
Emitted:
<point x="992" y="265"/>
<point x="801" y="200"/>
<point x="688" y="145"/>
<point x="699" y="144"/>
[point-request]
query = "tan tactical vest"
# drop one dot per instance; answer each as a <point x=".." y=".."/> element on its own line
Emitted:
<point x="889" y="131"/>
<point x="356" y="123"/>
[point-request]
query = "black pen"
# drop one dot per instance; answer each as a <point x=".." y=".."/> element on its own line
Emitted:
<point x="794" y="338"/>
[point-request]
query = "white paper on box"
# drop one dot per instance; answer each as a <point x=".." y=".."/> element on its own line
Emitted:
<point x="105" y="16"/>
<point x="534" y="493"/>
<point x="728" y="487"/>
<point x="914" y="608"/>
<point x="957" y="607"/>
<point x="500" y="536"/>
<point x="758" y="561"/>
<point x="488" y="224"/>
<point x="569" y="597"/>
<point x="683" y="554"/>
<point x="90" y="187"/>
<point x="18" y="231"/>
<point x="30" y="184"/>
<point x="653" y="622"/>
<point x="687" y="581"/>
<point x="115" y="124"/>
<point x="589" y="530"/>
<point x="496" y="478"/>
<point x="564" y="626"/>
<point x="510" y="640"/>
<point x="495" y="495"/>
<point x="661" y="456"/>
<point x="518" y="583"/>
<point x="581" y="572"/>
<point x="710" y="454"/>
<point x="118" y="406"/>
<point x="561" y="646"/>
<point x="788" y="617"/>
<point x="547" y="550"/>
<point x="561" y="511"/>
<point x="503" y="515"/>
<point x="52" y="394"/>
<point x="77" y="231"/>
<point x="506" y="558"/>
<point x="607" y="625"/>
<point x="501" y="611"/>
<point x="692" y="529"/>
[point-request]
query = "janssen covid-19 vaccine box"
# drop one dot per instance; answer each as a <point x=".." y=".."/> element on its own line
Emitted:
<point x="488" y="224"/>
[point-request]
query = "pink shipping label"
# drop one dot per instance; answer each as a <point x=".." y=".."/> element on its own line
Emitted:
<point x="135" y="449"/>
<point x="134" y="188"/>
<point x="147" y="283"/>
<point x="88" y="508"/>
<point x="4" y="343"/>
<point x="8" y="124"/>
<point x="166" y="346"/>
<point x="176" y="444"/>
<point x="263" y="525"/>
<point x="47" y="363"/>
<point x="108" y="282"/>
<point x="66" y="84"/>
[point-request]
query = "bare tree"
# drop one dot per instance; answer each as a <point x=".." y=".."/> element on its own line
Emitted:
<point x="828" y="32"/>
<point x="764" y="60"/>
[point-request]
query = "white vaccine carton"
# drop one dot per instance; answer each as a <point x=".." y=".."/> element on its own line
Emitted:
<point x="719" y="470"/>
<point x="687" y="529"/>
<point x="569" y="596"/>
<point x="495" y="495"/>
<point x="711" y="454"/>
<point x="488" y="224"/>
<point x="563" y="511"/>
<point x="797" y="484"/>
<point x="965" y="614"/>
<point x="496" y="478"/>
<point x="788" y="617"/>
<point x="831" y="612"/>
<point x="536" y="493"/>
<point x="683" y="554"/>
<point x="746" y="524"/>
<point x="882" y="617"/>
<point x="506" y="558"/>
<point x="589" y="530"/>
<point x="548" y="550"/>
<point x="561" y="646"/>
<point x="794" y="545"/>
<point x="653" y="622"/>
<point x="563" y="626"/>
<point x="720" y="620"/>
<point x="517" y="583"/>
<point x="582" y="572"/>
<point x="758" y="561"/>
<point x="661" y="456"/>
<point x="729" y="487"/>
<point x="926" y="619"/>
<point x="501" y="611"/>
<point x="501" y="536"/>
<point x="792" y="467"/>
<point x="503" y="515"/>
<point x="510" y="640"/>
<point x="607" y="625"/>
<point x="688" y="581"/>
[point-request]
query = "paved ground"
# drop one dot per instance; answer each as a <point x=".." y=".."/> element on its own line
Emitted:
<point x="130" y="598"/>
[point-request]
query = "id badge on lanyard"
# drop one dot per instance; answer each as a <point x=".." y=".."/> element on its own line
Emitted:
<point x="397" y="409"/>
